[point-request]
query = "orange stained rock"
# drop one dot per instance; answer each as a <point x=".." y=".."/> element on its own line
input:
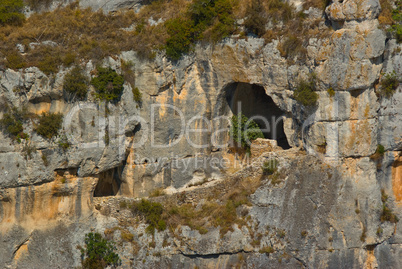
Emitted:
<point x="23" y="250"/>
<point x="397" y="177"/>
<point x="44" y="205"/>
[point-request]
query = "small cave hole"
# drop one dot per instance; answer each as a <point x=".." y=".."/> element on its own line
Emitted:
<point x="109" y="183"/>
<point x="253" y="102"/>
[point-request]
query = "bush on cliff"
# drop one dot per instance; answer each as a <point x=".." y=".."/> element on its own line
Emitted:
<point x="152" y="213"/>
<point x="49" y="124"/>
<point x="244" y="130"/>
<point x="108" y="84"/>
<point x="181" y="37"/>
<point x="12" y="123"/>
<point x="396" y="28"/>
<point x="387" y="214"/>
<point x="256" y="18"/>
<point x="210" y="20"/>
<point x="98" y="252"/>
<point x="76" y="84"/>
<point x="389" y="84"/>
<point x="269" y="167"/>
<point x="305" y="91"/>
<point x="11" y="12"/>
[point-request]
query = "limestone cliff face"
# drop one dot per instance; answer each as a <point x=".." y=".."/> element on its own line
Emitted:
<point x="331" y="191"/>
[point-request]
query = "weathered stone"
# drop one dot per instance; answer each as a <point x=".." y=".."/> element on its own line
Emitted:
<point x="353" y="10"/>
<point x="321" y="208"/>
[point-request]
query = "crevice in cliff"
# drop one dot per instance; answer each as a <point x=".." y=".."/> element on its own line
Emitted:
<point x="109" y="182"/>
<point x="252" y="101"/>
<point x="212" y="256"/>
<point x="21" y="247"/>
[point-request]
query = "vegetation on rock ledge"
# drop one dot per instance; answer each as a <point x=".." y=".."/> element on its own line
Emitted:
<point x="305" y="91"/>
<point x="98" y="252"/>
<point x="84" y="34"/>
<point x="12" y="123"/>
<point x="49" y="124"/>
<point x="108" y="84"/>
<point x="269" y="167"/>
<point x="387" y="214"/>
<point x="76" y="83"/>
<point x="152" y="213"/>
<point x="244" y="130"/>
<point x="389" y="84"/>
<point x="11" y="12"/>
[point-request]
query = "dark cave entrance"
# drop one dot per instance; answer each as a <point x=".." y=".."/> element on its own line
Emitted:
<point x="109" y="182"/>
<point x="252" y="101"/>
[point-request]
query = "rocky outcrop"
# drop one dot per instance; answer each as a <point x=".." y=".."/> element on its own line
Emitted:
<point x="325" y="211"/>
<point x="104" y="5"/>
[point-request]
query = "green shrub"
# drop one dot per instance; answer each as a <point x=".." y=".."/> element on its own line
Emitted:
<point x="69" y="58"/>
<point x="379" y="153"/>
<point x="49" y="124"/>
<point x="208" y="19"/>
<point x="224" y="23"/>
<point x="305" y="91"/>
<point x="11" y="12"/>
<point x="12" y="123"/>
<point x="387" y="214"/>
<point x="108" y="84"/>
<point x="181" y="37"/>
<point x="76" y="83"/>
<point x="256" y="19"/>
<point x="63" y="143"/>
<point x="137" y="96"/>
<point x="49" y="63"/>
<point x="269" y="167"/>
<point x="152" y="213"/>
<point x="202" y="12"/>
<point x="244" y="131"/>
<point x="397" y="31"/>
<point x="98" y="252"/>
<point x="396" y="28"/>
<point x="380" y="149"/>
<point x="389" y="84"/>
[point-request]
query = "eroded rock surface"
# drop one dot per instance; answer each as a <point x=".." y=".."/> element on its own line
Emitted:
<point x="324" y="211"/>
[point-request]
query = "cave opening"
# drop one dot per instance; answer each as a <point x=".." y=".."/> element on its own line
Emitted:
<point x="253" y="102"/>
<point x="109" y="182"/>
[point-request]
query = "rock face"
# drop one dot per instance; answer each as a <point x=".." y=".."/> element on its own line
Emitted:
<point x="326" y="210"/>
<point x="106" y="5"/>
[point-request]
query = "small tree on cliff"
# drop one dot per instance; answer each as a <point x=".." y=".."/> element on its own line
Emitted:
<point x="98" y="252"/>
<point x="244" y="131"/>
